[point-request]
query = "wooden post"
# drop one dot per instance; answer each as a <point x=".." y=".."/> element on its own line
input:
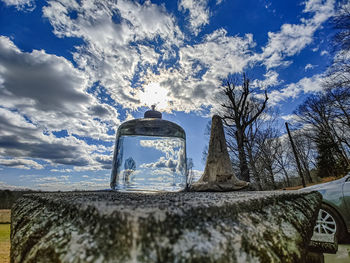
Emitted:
<point x="296" y="156"/>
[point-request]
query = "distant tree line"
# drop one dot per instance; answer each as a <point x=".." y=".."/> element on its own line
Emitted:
<point x="9" y="197"/>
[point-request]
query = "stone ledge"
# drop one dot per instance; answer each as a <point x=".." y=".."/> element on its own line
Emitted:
<point x="323" y="243"/>
<point x="167" y="227"/>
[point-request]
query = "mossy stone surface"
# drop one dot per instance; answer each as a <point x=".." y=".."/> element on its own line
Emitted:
<point x="165" y="227"/>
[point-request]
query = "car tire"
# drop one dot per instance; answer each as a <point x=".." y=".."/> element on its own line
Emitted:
<point x="329" y="222"/>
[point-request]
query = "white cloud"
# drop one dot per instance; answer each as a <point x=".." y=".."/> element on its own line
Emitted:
<point x="111" y="59"/>
<point x="42" y="94"/>
<point x="292" y="118"/>
<point x="48" y="179"/>
<point x="291" y="39"/>
<point x="123" y="41"/>
<point x="20" y="140"/>
<point x="293" y="90"/>
<point x="61" y="170"/>
<point x="162" y="163"/>
<point x="24" y="5"/>
<point x="196" y="175"/>
<point x="4" y="185"/>
<point x="309" y="66"/>
<point x="324" y="52"/>
<point x="271" y="80"/>
<point x="107" y="56"/>
<point x="47" y="88"/>
<point x="191" y="83"/>
<point x="168" y="147"/>
<point x="201" y="69"/>
<point x="20" y="163"/>
<point x="198" y="13"/>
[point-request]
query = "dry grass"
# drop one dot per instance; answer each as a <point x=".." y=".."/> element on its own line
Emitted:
<point x="4" y="243"/>
<point x="323" y="180"/>
<point x="5" y="219"/>
<point x="5" y="216"/>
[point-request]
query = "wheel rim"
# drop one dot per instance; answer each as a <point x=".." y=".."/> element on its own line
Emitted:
<point x="325" y="223"/>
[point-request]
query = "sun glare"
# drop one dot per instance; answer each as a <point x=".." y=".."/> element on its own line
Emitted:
<point x="154" y="94"/>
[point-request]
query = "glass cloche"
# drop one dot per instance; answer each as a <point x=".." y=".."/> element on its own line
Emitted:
<point x="149" y="155"/>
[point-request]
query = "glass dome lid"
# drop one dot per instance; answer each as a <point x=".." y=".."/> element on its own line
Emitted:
<point x="149" y="155"/>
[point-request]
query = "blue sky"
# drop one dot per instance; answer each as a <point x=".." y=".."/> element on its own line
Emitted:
<point x="72" y="71"/>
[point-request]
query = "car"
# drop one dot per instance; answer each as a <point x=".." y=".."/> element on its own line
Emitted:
<point x="334" y="214"/>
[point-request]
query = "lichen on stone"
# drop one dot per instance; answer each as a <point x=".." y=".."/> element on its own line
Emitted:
<point x="167" y="227"/>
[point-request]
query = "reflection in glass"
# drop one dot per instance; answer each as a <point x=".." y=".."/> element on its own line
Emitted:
<point x="150" y="163"/>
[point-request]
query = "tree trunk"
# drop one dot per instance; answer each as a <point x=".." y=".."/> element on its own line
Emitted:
<point x="243" y="165"/>
<point x="253" y="167"/>
<point x="307" y="171"/>
<point x="272" y="177"/>
<point x="286" y="175"/>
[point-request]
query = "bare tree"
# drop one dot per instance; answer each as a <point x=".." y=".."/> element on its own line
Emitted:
<point x="283" y="158"/>
<point x="317" y="114"/>
<point x="255" y="131"/>
<point x="240" y="111"/>
<point x="341" y="22"/>
<point x="338" y="99"/>
<point x="306" y="151"/>
<point x="337" y="84"/>
<point x="268" y="145"/>
<point x="253" y="152"/>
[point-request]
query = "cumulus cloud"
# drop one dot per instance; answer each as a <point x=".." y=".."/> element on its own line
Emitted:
<point x="108" y="56"/>
<point x="24" y="5"/>
<point x="51" y="93"/>
<point x="309" y="66"/>
<point x="292" y="38"/>
<point x="20" y="139"/>
<point x="173" y="161"/>
<point x="198" y="13"/>
<point x="293" y="90"/>
<point x="136" y="38"/>
<point x="4" y="185"/>
<point x="202" y="67"/>
<point x="42" y="94"/>
<point x="121" y="59"/>
<point x="61" y="170"/>
<point x="168" y="147"/>
<point x="127" y="45"/>
<point x="47" y="82"/>
<point x="21" y="163"/>
<point x="271" y="80"/>
<point x="51" y="179"/>
<point x="162" y="163"/>
<point x="291" y="118"/>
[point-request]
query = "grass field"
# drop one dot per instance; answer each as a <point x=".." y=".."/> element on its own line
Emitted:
<point x="5" y="219"/>
<point x="4" y="243"/>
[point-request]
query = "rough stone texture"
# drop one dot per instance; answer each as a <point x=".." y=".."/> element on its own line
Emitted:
<point x="218" y="173"/>
<point x="323" y="243"/>
<point x="313" y="257"/>
<point x="165" y="227"/>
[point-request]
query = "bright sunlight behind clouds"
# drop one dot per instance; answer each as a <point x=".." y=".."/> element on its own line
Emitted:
<point x="154" y="94"/>
<point x="72" y="71"/>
